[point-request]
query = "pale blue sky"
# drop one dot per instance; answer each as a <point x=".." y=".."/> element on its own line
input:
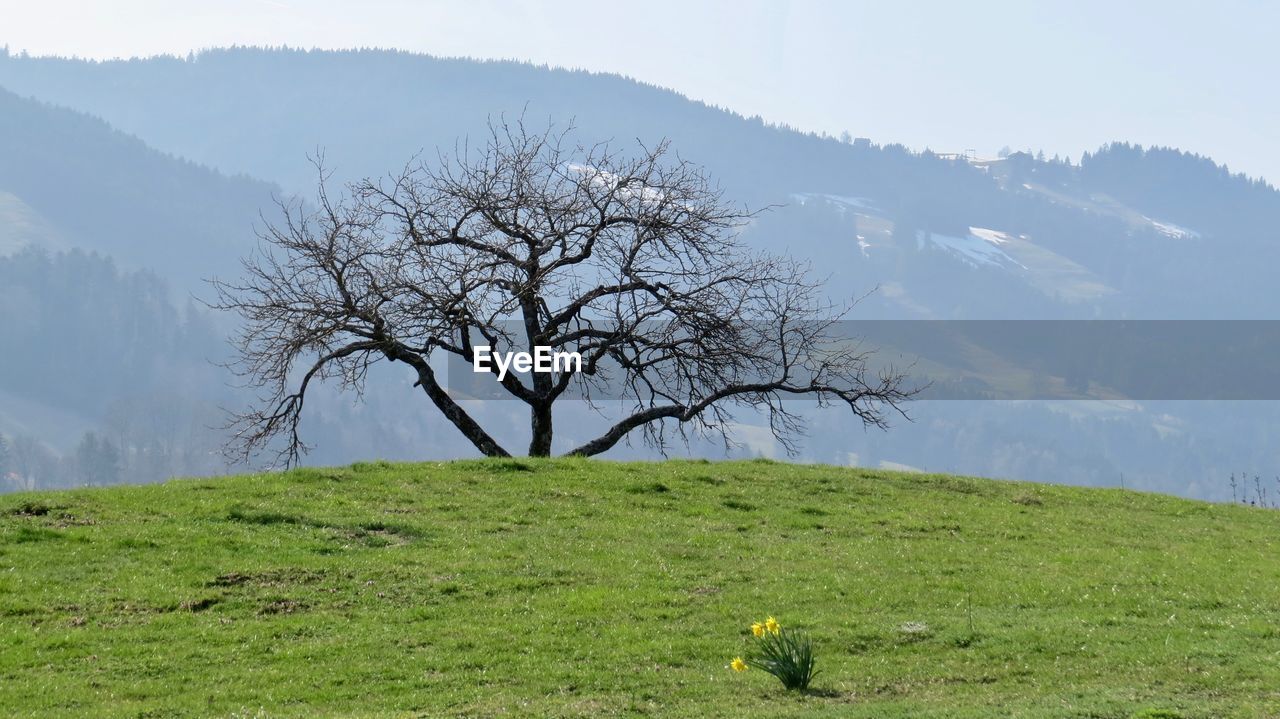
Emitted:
<point x="1062" y="76"/>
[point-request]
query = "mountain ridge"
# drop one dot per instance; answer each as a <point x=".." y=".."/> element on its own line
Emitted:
<point x="106" y="190"/>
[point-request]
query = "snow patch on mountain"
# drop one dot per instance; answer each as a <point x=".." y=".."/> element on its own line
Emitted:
<point x="981" y="247"/>
<point x="625" y="190"/>
<point x="1169" y="229"/>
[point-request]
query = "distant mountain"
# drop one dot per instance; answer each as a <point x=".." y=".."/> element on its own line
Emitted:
<point x="262" y="112"/>
<point x="164" y="164"/>
<point x="1129" y="233"/>
<point x="101" y="238"/>
<point x="71" y="180"/>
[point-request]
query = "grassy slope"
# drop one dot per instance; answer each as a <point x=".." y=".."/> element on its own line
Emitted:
<point x="577" y="588"/>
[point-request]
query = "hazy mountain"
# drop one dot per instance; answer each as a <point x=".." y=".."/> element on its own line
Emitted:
<point x="1125" y="232"/>
<point x="71" y="180"/>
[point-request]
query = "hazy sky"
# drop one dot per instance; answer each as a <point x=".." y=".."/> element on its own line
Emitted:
<point x="1062" y="76"/>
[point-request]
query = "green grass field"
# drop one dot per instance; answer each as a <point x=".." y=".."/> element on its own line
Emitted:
<point x="589" y="589"/>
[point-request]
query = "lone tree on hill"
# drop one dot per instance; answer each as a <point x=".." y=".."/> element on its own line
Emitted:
<point x="533" y="241"/>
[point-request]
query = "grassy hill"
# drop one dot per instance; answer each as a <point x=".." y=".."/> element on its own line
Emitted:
<point x="582" y="588"/>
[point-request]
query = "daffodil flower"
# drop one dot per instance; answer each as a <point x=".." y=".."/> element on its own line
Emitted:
<point x="738" y="665"/>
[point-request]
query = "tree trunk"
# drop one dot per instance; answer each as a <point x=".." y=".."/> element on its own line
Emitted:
<point x="540" y="420"/>
<point x="450" y="409"/>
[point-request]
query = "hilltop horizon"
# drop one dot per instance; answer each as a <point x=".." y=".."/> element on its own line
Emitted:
<point x="1062" y="77"/>
<point x="1035" y="150"/>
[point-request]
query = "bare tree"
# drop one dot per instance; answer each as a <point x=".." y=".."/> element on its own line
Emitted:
<point x="532" y="241"/>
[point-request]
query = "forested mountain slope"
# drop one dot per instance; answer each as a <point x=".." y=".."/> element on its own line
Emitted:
<point x="72" y="180"/>
<point x="1125" y="233"/>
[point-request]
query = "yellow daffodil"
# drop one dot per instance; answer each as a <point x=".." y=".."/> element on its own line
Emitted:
<point x="757" y="629"/>
<point x="772" y="625"/>
<point x="738" y="665"/>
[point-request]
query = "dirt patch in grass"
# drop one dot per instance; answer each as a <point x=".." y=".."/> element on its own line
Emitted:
<point x="52" y="515"/>
<point x="282" y="606"/>
<point x="652" y="488"/>
<point x="198" y="605"/>
<point x="31" y="509"/>
<point x="270" y="578"/>
<point x="252" y="516"/>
